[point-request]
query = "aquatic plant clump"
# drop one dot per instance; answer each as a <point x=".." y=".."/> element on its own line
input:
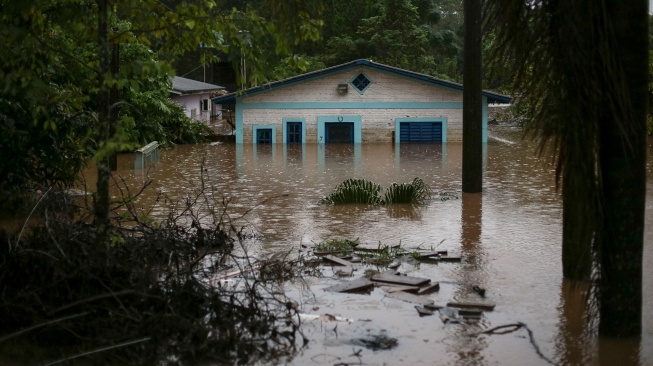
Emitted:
<point x="415" y="192"/>
<point x="362" y="191"/>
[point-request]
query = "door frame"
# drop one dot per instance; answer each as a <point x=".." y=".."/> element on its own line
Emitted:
<point x="285" y="128"/>
<point x="273" y="136"/>
<point x="323" y="120"/>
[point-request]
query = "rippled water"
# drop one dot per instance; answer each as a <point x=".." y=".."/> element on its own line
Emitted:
<point x="509" y="236"/>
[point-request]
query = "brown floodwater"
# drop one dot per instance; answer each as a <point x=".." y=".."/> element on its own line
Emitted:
<point x="510" y="238"/>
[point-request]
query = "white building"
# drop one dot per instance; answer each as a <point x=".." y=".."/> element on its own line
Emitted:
<point x="195" y="97"/>
<point x="357" y="102"/>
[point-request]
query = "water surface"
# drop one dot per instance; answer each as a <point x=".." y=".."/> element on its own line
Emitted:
<point x="509" y="235"/>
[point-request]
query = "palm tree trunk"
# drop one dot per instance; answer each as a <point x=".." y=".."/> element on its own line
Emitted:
<point x="623" y="163"/>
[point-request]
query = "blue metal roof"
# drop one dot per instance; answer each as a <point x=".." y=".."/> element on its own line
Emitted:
<point x="231" y="97"/>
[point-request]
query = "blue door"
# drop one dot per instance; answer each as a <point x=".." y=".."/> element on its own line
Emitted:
<point x="420" y="132"/>
<point x="294" y="132"/>
<point x="339" y="132"/>
<point x="264" y="136"/>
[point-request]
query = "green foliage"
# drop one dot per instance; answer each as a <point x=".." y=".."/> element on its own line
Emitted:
<point x="52" y="77"/>
<point x="418" y="35"/>
<point x="415" y="192"/>
<point x="354" y="191"/>
<point x="338" y="247"/>
<point x="362" y="191"/>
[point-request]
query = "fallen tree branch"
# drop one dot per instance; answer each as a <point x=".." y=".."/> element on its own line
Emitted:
<point x="516" y="327"/>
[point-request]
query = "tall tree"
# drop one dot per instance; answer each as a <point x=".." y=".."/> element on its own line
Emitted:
<point x="583" y="71"/>
<point x="58" y="68"/>
<point x="472" y="100"/>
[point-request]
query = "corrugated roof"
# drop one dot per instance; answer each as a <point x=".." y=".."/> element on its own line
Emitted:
<point x="188" y="86"/>
<point x="231" y="97"/>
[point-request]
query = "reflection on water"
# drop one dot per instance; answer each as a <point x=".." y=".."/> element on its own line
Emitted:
<point x="509" y="236"/>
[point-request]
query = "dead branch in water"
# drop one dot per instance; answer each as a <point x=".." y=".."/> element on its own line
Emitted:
<point x="515" y="327"/>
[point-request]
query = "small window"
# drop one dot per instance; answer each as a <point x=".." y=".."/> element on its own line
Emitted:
<point x="294" y="132"/>
<point x="361" y="82"/>
<point x="205" y="105"/>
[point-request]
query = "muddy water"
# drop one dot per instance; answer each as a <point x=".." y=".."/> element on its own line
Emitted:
<point x="509" y="236"/>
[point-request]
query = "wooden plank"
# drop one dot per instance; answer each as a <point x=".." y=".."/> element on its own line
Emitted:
<point x="390" y="288"/>
<point x="338" y="261"/>
<point x="358" y="285"/>
<point x="451" y="257"/>
<point x="472" y="305"/>
<point x="434" y="287"/>
<point x="344" y="271"/>
<point x="429" y="254"/>
<point x="400" y="280"/>
<point x="470" y="312"/>
<point x="405" y="296"/>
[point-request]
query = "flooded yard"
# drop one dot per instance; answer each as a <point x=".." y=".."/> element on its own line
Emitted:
<point x="509" y="236"/>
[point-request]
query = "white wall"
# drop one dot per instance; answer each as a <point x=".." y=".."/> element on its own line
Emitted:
<point x="192" y="102"/>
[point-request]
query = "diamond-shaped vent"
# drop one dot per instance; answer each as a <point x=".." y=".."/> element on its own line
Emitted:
<point x="360" y="82"/>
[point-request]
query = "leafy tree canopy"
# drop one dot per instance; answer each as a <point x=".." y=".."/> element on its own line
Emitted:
<point x="54" y="76"/>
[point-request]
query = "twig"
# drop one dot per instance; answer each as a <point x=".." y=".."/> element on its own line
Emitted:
<point x="99" y="350"/>
<point x="517" y="326"/>
<point x="235" y="273"/>
<point x="15" y="334"/>
<point x="491" y="331"/>
<point x="30" y="216"/>
<point x="537" y="348"/>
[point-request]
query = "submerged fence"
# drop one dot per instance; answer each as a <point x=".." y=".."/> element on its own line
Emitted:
<point x="146" y="155"/>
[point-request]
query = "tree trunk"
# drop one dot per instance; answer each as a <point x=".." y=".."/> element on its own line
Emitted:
<point x="623" y="166"/>
<point x="103" y="168"/>
<point x="472" y="100"/>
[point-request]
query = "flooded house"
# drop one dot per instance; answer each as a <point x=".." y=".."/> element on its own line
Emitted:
<point x="195" y="96"/>
<point x="357" y="102"/>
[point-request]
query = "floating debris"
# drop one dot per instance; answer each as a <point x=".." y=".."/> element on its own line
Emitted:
<point x="375" y="342"/>
<point x="344" y="271"/>
<point x="392" y="288"/>
<point x="450" y="316"/>
<point x="423" y="311"/>
<point x="324" y="318"/>
<point x="401" y="280"/>
<point x="479" y="290"/>
<point x="358" y="285"/>
<point x="336" y="260"/>
<point x="472" y="305"/>
<point x="405" y="296"/>
<point x="434" y="287"/>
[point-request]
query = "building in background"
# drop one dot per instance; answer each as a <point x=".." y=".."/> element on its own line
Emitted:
<point x="357" y="102"/>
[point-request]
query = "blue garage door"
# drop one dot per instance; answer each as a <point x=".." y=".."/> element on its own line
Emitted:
<point x="420" y="132"/>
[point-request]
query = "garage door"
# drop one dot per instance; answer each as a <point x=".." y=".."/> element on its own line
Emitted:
<point x="420" y="132"/>
<point x="339" y="132"/>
